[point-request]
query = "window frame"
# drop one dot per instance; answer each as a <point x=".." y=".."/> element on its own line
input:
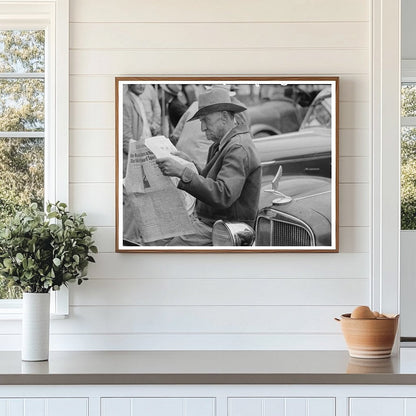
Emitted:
<point x="53" y="17"/>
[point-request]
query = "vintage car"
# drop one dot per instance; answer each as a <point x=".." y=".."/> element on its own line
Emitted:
<point x="281" y="110"/>
<point x="306" y="151"/>
<point x="296" y="211"/>
<point x="275" y="117"/>
<point x="294" y="208"/>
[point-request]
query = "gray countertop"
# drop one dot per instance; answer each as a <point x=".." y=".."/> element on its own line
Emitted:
<point x="207" y="367"/>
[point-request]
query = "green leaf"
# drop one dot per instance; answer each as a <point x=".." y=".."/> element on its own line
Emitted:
<point x="56" y="262"/>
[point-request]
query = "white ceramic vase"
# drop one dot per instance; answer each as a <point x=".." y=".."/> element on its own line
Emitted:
<point x="35" y="326"/>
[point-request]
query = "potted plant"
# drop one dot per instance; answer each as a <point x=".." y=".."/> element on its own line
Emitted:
<point x="40" y="252"/>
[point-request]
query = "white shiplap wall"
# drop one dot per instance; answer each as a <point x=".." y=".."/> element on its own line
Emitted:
<point x="185" y="301"/>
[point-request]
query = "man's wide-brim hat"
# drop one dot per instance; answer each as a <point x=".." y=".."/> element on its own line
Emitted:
<point x="216" y="99"/>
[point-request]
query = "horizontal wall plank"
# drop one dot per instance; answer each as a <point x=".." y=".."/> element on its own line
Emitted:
<point x="221" y="35"/>
<point x="194" y="320"/>
<point x="97" y="200"/>
<point x="354" y="205"/>
<point x="92" y="169"/>
<point x="97" y="143"/>
<point x="220" y="291"/>
<point x="354" y="142"/>
<point x="105" y="239"/>
<point x="230" y="11"/>
<point x="100" y="88"/>
<point x="94" y="143"/>
<point x="219" y="62"/>
<point x="201" y="319"/>
<point x="92" y="115"/>
<point x="354" y="170"/>
<point x="148" y="342"/>
<point x="352" y="239"/>
<point x="92" y="88"/>
<point x="231" y="265"/>
<point x="352" y="115"/>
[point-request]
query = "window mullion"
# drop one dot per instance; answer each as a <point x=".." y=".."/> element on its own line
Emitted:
<point x="408" y="121"/>
<point x="22" y="75"/>
<point x="22" y="134"/>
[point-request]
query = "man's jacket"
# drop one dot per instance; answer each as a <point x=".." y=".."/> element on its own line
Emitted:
<point x="228" y="187"/>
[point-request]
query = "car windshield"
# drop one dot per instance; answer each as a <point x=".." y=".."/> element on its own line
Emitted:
<point x="319" y="114"/>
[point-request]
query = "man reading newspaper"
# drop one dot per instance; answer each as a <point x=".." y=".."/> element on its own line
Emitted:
<point x="228" y="187"/>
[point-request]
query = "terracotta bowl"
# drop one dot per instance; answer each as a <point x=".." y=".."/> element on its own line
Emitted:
<point x="369" y="338"/>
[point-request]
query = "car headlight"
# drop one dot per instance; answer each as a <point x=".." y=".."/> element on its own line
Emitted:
<point x="232" y="234"/>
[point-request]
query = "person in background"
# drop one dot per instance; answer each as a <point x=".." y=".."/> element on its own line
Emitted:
<point x="135" y="124"/>
<point x="152" y="109"/>
<point x="175" y="107"/>
<point x="228" y="188"/>
<point x="135" y="128"/>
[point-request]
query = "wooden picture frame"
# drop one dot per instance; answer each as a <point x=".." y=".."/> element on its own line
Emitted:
<point x="287" y="124"/>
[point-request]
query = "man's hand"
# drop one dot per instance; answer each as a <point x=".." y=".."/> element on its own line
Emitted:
<point x="170" y="166"/>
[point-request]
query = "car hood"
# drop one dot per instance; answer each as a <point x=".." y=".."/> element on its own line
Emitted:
<point x="310" y="194"/>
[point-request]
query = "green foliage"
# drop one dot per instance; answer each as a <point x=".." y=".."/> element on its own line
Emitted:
<point x="21" y="175"/>
<point x="22" y="51"/>
<point x="408" y="101"/>
<point x="21" y="109"/>
<point x="408" y="144"/>
<point x="22" y="105"/>
<point x="408" y="195"/>
<point x="43" y="251"/>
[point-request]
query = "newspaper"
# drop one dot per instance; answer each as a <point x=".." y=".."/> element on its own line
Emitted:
<point x="163" y="147"/>
<point x="154" y="207"/>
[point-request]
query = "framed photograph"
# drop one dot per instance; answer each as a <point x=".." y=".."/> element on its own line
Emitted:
<point x="226" y="164"/>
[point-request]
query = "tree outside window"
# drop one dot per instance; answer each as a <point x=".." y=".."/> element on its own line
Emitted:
<point x="22" y="124"/>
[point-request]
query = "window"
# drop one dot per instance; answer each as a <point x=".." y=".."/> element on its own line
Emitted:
<point x="22" y="124"/>
<point x="408" y="155"/>
<point x="33" y="111"/>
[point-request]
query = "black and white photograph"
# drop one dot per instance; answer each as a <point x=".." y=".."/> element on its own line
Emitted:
<point x="227" y="164"/>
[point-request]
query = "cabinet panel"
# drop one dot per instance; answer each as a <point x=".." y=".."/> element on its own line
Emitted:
<point x="44" y="407"/>
<point x="157" y="406"/>
<point x="115" y="407"/>
<point x="377" y="407"/>
<point x="16" y="407"/>
<point x="410" y="406"/>
<point x="34" y="407"/>
<point x="67" y="407"/>
<point x="281" y="406"/>
<point x="245" y="407"/>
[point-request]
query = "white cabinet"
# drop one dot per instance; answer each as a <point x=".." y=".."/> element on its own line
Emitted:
<point x="44" y="407"/>
<point x="382" y="406"/>
<point x="271" y="406"/>
<point x="208" y="400"/>
<point x="159" y="406"/>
